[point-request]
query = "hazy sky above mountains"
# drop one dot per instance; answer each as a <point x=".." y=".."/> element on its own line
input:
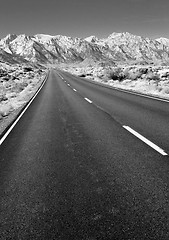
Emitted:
<point x="82" y="18"/>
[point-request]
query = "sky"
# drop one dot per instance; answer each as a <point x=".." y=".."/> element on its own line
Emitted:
<point x="83" y="18"/>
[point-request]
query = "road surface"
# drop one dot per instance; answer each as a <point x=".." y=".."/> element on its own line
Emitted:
<point x="70" y="169"/>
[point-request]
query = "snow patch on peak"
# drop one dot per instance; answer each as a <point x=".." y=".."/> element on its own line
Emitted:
<point x="22" y="38"/>
<point x="114" y="35"/>
<point x="9" y="38"/>
<point x="125" y="35"/>
<point x="40" y="35"/>
<point x="92" y="39"/>
<point x="43" y="37"/>
<point x="61" y="37"/>
<point x="5" y="42"/>
<point x="19" y="43"/>
<point x="164" y="41"/>
<point x="64" y="41"/>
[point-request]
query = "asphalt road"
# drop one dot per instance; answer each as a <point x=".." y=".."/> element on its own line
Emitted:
<point x="69" y="169"/>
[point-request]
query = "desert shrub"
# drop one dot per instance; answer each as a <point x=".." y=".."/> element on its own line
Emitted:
<point x="105" y="80"/>
<point x="14" y="78"/>
<point x="143" y="70"/>
<point x="126" y="73"/>
<point x="139" y="72"/>
<point x="3" y="97"/>
<point x="153" y="76"/>
<point x="134" y="75"/>
<point x="7" y="84"/>
<point x="156" y="77"/>
<point x="113" y="75"/>
<point x="11" y="95"/>
<point x="165" y="74"/>
<point x="32" y="75"/>
<point x="28" y="69"/>
<point x="40" y="71"/>
<point x="3" y="73"/>
<point x="6" y="78"/>
<point x="165" y="90"/>
<point x="82" y="75"/>
<point x="121" y="76"/>
<point x="5" y="110"/>
<point x="22" y="86"/>
<point x="18" y="86"/>
<point x="100" y="75"/>
<point x="116" y="74"/>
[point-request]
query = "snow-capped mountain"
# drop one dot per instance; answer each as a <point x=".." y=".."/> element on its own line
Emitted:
<point x="164" y="41"/>
<point x="126" y="46"/>
<point x="44" y="49"/>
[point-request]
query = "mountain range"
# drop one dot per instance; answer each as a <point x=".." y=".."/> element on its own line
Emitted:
<point x="117" y="47"/>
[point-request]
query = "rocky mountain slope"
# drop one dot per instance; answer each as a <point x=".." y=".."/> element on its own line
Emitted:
<point x="118" y="47"/>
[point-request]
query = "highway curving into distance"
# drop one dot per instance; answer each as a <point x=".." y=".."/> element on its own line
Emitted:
<point x="86" y="162"/>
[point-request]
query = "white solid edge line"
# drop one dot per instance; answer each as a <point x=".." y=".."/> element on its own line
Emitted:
<point x="129" y="92"/>
<point x="74" y="90"/>
<point x="15" y="122"/>
<point x="60" y="75"/>
<point x="88" y="100"/>
<point x="142" y="95"/>
<point x="145" y="140"/>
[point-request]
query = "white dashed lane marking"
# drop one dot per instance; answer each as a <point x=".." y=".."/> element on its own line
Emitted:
<point x="88" y="100"/>
<point x="136" y="134"/>
<point x="60" y="76"/>
<point x="145" y="140"/>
